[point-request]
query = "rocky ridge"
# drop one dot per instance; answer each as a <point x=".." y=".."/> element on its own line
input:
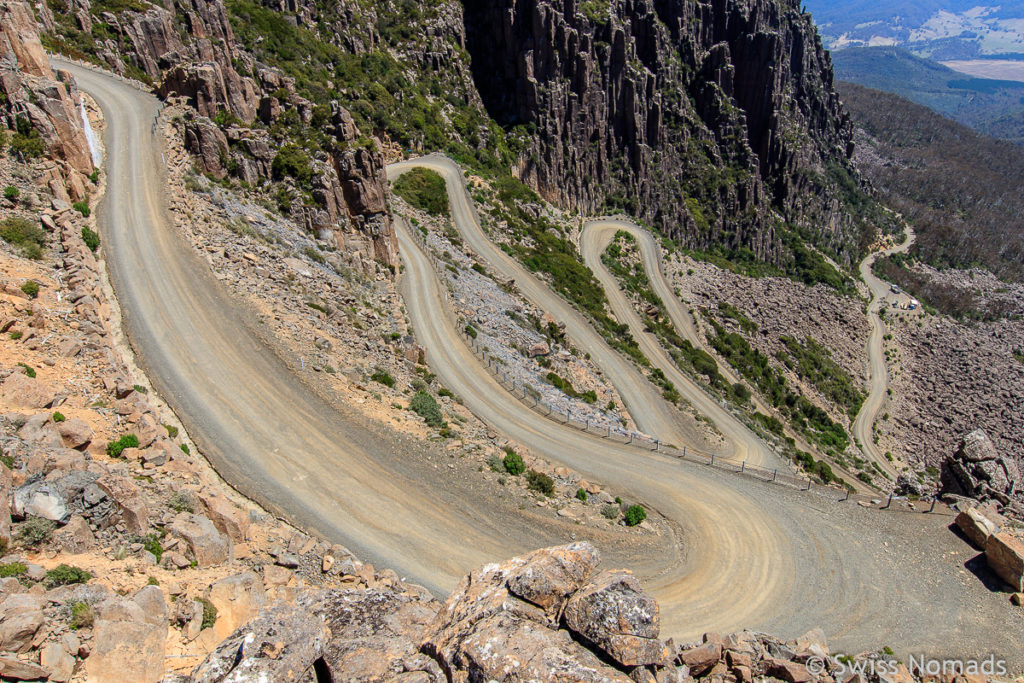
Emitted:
<point x="667" y="110"/>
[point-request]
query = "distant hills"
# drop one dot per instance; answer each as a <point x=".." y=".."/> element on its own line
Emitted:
<point x="989" y="106"/>
<point x="939" y="29"/>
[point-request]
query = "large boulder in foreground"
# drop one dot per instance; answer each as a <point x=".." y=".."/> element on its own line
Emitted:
<point x="977" y="471"/>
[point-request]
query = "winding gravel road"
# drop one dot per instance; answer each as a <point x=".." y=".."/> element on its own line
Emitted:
<point x="863" y="425"/>
<point x="741" y="553"/>
<point x="595" y="238"/>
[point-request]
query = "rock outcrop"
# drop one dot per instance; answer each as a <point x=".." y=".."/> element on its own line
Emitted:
<point x="977" y="471"/>
<point x="39" y="104"/>
<point x="698" y="117"/>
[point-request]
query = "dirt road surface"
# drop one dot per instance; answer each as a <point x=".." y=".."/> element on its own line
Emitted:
<point x="741" y="553"/>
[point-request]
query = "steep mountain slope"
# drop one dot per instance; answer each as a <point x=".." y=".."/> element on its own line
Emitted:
<point x="989" y="106"/>
<point x="959" y="188"/>
<point x="665" y="110"/>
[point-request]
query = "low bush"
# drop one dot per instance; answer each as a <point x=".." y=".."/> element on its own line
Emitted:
<point x="58" y="417"/>
<point x="423" y="189"/>
<point x="115" y="448"/>
<point x="82" y="208"/>
<point x="11" y="192"/>
<point x="35" y="530"/>
<point x="29" y="370"/>
<point x="513" y="463"/>
<point x="82" y="616"/>
<point x="31" y="288"/>
<point x="91" y="238"/>
<point x="65" y="575"/>
<point x="24" y="234"/>
<point x="424" y="405"/>
<point x="581" y="495"/>
<point x="209" y="612"/>
<point x="634" y="515"/>
<point x="151" y="543"/>
<point x="181" y="501"/>
<point x="12" y="569"/>
<point x="540" y="482"/>
<point x="611" y="511"/>
<point x="382" y="377"/>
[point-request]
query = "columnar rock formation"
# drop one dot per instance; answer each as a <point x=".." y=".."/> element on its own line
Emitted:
<point x="702" y="117"/>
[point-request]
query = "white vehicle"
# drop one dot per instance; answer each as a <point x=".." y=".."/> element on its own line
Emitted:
<point x="895" y="289"/>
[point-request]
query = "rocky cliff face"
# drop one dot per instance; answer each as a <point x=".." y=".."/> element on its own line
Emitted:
<point x="40" y="106"/>
<point x="188" y="50"/>
<point x="704" y="118"/>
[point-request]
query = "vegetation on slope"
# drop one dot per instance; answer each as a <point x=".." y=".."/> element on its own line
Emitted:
<point x="959" y="189"/>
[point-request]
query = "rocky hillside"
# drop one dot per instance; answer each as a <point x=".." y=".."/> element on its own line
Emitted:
<point x="666" y="110"/>
<point x="663" y="110"/>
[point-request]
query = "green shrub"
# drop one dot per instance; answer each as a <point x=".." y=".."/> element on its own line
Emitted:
<point x="115" y="448"/>
<point x="635" y="514"/>
<point x="513" y="463"/>
<point x="292" y="161"/>
<point x="185" y="449"/>
<point x="95" y="176"/>
<point x="471" y="331"/>
<point x="181" y="501"/>
<point x="12" y="569"/>
<point x="382" y="377"/>
<point x="11" y="192"/>
<point x="35" y="530"/>
<point x="172" y="431"/>
<point x="31" y="288"/>
<point x="91" y="238"/>
<point x="424" y="405"/>
<point x="445" y="392"/>
<point x="65" y="575"/>
<point x="209" y="612"/>
<point x="7" y="461"/>
<point x="423" y="189"/>
<point x="540" y="482"/>
<point x="26" y="140"/>
<point x="139" y="388"/>
<point x="24" y="234"/>
<point x="151" y="543"/>
<point x="82" y="208"/>
<point x="611" y="511"/>
<point x="495" y="463"/>
<point x="16" y="335"/>
<point x="152" y="581"/>
<point x="59" y="417"/>
<point x="29" y="370"/>
<point x="82" y="616"/>
<point x="581" y="495"/>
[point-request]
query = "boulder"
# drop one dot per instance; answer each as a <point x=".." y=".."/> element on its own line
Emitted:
<point x="237" y="599"/>
<point x="6" y="482"/>
<point x="39" y="430"/>
<point x="75" y="433"/>
<point x="977" y="471"/>
<point x="14" y="669"/>
<point x="484" y="632"/>
<point x="130" y="504"/>
<point x="977" y="447"/>
<point x="282" y="644"/>
<point x="549" y="577"/>
<point x="21" y="616"/>
<point x="614" y="613"/>
<point x="75" y="536"/>
<point x="57" y="662"/>
<point x="129" y="637"/>
<point x="791" y="672"/>
<point x="21" y="38"/>
<point x="1005" y="555"/>
<point x="209" y="546"/>
<point x="700" y="659"/>
<point x="225" y="516"/>
<point x="375" y="633"/>
<point x="976" y="526"/>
